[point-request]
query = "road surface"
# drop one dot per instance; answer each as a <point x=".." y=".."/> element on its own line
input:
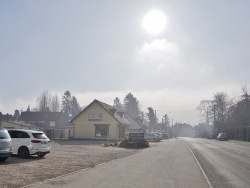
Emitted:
<point x="226" y="163"/>
<point x="169" y="163"/>
<point x="173" y="163"/>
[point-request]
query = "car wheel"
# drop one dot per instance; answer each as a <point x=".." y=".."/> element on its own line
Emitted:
<point x="41" y="155"/>
<point x="23" y="152"/>
<point x="3" y="158"/>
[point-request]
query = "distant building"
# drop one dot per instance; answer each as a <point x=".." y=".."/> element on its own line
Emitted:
<point x="17" y="125"/>
<point x="6" y="117"/>
<point x="45" y="120"/>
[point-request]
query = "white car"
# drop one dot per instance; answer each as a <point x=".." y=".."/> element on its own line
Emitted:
<point x="160" y="135"/>
<point x="5" y="145"/>
<point x="29" y="142"/>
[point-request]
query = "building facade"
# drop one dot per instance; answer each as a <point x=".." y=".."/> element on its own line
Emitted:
<point x="100" y="121"/>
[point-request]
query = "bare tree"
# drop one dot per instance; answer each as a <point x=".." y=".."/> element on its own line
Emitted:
<point x="205" y="109"/>
<point x="222" y="104"/>
<point x="44" y="101"/>
<point x="55" y="103"/>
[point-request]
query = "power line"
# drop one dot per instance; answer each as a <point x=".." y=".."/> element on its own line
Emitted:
<point x="176" y="111"/>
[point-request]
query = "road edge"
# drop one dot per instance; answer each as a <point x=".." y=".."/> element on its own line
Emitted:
<point x="202" y="170"/>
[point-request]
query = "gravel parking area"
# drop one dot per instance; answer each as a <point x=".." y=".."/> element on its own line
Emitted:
<point x="66" y="156"/>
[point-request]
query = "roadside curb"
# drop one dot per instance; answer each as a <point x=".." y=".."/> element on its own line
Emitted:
<point x="202" y="170"/>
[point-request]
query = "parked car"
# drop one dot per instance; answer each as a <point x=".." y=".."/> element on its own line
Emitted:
<point x="5" y="145"/>
<point x="152" y="137"/>
<point x="222" y="136"/>
<point x="165" y="136"/>
<point x="160" y="135"/>
<point x="29" y="142"/>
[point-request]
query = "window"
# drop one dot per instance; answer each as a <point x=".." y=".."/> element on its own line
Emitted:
<point x="18" y="134"/>
<point x="101" y="131"/>
<point x="121" y="132"/>
<point x="39" y="135"/>
<point x="52" y="124"/>
<point x="95" y="117"/>
<point x="4" y="134"/>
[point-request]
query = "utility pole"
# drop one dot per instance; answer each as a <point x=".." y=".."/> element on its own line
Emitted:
<point x="155" y="121"/>
<point x="166" y="120"/>
<point x="214" y="114"/>
<point x="142" y="117"/>
<point x="1" y="119"/>
<point x="162" y="125"/>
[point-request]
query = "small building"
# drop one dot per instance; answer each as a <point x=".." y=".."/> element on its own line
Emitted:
<point x="16" y="125"/>
<point x="45" y="120"/>
<point x="100" y="121"/>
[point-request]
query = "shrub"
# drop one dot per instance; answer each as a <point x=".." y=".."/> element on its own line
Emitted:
<point x="140" y="144"/>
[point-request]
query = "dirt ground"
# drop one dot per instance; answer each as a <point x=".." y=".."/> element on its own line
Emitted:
<point x="65" y="157"/>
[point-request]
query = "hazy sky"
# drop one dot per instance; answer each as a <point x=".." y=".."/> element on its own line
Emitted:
<point x="100" y="50"/>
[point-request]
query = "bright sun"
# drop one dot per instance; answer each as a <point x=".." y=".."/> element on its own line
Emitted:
<point x="154" y="22"/>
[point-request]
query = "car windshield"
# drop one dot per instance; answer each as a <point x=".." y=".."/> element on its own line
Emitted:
<point x="4" y="134"/>
<point x="39" y="135"/>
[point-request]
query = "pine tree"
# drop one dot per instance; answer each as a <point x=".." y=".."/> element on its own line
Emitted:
<point x="118" y="105"/>
<point x="131" y="105"/>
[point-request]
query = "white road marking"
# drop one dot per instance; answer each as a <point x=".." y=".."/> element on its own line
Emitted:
<point x="203" y="172"/>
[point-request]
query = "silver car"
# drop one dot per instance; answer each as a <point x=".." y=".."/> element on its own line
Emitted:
<point x="222" y="136"/>
<point x="5" y="145"/>
<point x="152" y="137"/>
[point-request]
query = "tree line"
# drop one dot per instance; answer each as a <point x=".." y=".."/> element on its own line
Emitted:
<point x="225" y="114"/>
<point x="132" y="106"/>
<point x="48" y="102"/>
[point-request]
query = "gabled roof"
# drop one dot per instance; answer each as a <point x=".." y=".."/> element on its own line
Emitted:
<point x="133" y="121"/>
<point x="41" y="116"/>
<point x="109" y="109"/>
<point x="21" y="124"/>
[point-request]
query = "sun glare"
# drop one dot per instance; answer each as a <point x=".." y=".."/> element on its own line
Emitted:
<point x="154" y="22"/>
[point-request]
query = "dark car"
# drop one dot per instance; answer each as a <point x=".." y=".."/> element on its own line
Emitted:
<point x="222" y="136"/>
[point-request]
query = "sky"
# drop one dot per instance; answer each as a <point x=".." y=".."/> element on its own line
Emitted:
<point x="101" y="50"/>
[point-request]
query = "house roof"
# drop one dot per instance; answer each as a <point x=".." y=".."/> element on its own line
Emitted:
<point x="41" y="116"/>
<point x="109" y="109"/>
<point x="134" y="121"/>
<point x="21" y="124"/>
<point x="6" y="117"/>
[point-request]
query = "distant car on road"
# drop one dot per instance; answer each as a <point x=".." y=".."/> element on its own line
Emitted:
<point x="222" y="136"/>
<point x="152" y="137"/>
<point x="29" y="142"/>
<point x="5" y="145"/>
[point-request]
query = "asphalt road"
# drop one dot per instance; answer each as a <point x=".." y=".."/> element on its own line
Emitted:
<point x="226" y="163"/>
<point x="166" y="164"/>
